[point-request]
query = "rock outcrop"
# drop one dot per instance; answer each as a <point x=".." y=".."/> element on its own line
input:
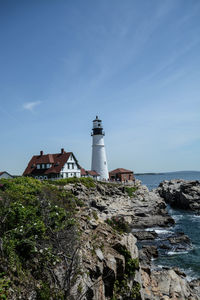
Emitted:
<point x="105" y="268"/>
<point x="108" y="261"/>
<point x="141" y="210"/>
<point x="181" y="193"/>
<point x="169" y="284"/>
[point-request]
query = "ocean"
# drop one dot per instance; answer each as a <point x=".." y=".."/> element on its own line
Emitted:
<point x="187" y="222"/>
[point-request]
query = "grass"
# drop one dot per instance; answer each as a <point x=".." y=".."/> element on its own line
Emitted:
<point x="86" y="181"/>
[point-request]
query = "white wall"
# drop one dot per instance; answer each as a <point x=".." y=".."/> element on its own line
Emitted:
<point x="99" y="161"/>
<point x="67" y="170"/>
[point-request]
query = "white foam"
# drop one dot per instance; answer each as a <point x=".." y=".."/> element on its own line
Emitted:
<point x="177" y="252"/>
<point x="150" y="229"/>
<point x="162" y="231"/>
<point x="196" y="216"/>
<point x="177" y="217"/>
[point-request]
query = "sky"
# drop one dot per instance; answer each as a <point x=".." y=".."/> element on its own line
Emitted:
<point x="134" y="63"/>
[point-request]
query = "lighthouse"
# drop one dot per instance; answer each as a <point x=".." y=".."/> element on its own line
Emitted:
<point x="99" y="161"/>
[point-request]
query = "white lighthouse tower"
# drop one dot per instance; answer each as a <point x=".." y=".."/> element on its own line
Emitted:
<point x="99" y="161"/>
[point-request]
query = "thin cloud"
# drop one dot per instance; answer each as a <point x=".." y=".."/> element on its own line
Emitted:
<point x="31" y="105"/>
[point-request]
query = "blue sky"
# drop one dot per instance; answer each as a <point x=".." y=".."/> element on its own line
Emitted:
<point x="135" y="63"/>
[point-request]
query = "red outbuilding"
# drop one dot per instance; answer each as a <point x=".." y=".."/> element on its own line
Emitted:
<point x="122" y="175"/>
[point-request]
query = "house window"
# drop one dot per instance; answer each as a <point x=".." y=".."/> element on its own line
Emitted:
<point x="43" y="166"/>
<point x="72" y="165"/>
<point x="38" y="166"/>
<point x="68" y="165"/>
<point x="66" y="175"/>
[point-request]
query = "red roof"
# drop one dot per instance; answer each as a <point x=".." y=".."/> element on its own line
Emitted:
<point x="120" y="170"/>
<point x="57" y="160"/>
<point x="83" y="172"/>
<point x="92" y="173"/>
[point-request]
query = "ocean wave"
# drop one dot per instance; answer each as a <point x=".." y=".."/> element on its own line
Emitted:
<point x="177" y="217"/>
<point x="196" y="217"/>
<point x="162" y="231"/>
<point x="158" y="230"/>
<point x="177" y="252"/>
<point x="150" y="229"/>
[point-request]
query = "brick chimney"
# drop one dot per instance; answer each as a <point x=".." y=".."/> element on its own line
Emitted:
<point x="62" y="150"/>
<point x="41" y="152"/>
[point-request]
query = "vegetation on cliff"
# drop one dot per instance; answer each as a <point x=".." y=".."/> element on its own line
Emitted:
<point x="38" y="229"/>
<point x="43" y="229"/>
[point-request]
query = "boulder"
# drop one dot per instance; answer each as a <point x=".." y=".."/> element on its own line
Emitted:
<point x="168" y="284"/>
<point x="145" y="235"/>
<point x="182" y="194"/>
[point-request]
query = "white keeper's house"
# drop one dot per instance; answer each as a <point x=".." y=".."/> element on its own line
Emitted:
<point x="53" y="166"/>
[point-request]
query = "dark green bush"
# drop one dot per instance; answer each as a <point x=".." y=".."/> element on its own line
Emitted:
<point x="119" y="224"/>
<point x="86" y="181"/>
<point x="130" y="190"/>
<point x="122" y="289"/>
<point x="34" y="215"/>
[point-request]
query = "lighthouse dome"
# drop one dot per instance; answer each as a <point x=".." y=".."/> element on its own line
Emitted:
<point x="97" y="127"/>
<point x="97" y="123"/>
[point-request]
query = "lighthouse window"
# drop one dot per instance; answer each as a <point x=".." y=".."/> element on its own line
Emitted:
<point x="104" y="162"/>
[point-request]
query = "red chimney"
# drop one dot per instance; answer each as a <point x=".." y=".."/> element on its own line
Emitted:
<point x="41" y="153"/>
<point x="62" y="150"/>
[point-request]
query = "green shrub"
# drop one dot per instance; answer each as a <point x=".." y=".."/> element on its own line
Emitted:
<point x="44" y="292"/>
<point x="86" y="181"/>
<point x="122" y="289"/>
<point x="33" y="216"/>
<point x="119" y="224"/>
<point x="130" y="190"/>
<point x="4" y="286"/>
<point x="95" y="216"/>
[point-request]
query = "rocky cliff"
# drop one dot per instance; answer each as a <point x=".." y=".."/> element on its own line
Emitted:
<point x="73" y="240"/>
<point x="140" y="209"/>
<point x="182" y="194"/>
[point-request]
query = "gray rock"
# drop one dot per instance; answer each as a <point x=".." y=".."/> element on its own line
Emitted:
<point x="145" y="235"/>
<point x="181" y="193"/>
<point x="99" y="254"/>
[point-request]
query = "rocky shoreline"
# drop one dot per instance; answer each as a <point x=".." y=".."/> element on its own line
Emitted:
<point x="184" y="194"/>
<point x="83" y="240"/>
<point x="142" y="210"/>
